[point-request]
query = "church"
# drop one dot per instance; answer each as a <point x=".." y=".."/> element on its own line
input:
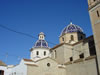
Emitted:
<point x="75" y="54"/>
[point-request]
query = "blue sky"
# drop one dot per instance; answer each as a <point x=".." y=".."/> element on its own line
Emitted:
<point x="33" y="17"/>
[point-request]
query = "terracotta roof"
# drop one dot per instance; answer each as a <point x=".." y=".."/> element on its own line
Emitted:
<point x="78" y="60"/>
<point x="57" y="46"/>
<point x="28" y="60"/>
<point x="31" y="64"/>
<point x="2" y="63"/>
<point x="84" y="40"/>
<point x="90" y="57"/>
<point x="60" y="45"/>
<point x="67" y="63"/>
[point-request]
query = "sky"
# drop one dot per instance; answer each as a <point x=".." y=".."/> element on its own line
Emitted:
<point x="33" y="17"/>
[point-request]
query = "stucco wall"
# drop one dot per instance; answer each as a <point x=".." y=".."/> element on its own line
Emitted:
<point x="20" y="69"/>
<point x="95" y="21"/>
<point x="79" y="49"/>
<point x="59" y="55"/>
<point x="67" y="37"/>
<point x="40" y="55"/>
<point x="6" y="70"/>
<point x="82" y="68"/>
<point x="43" y="69"/>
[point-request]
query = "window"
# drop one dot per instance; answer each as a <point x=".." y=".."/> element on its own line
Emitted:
<point x="72" y="37"/>
<point x="81" y="37"/>
<point x="55" y="54"/>
<point x="48" y="64"/>
<point x="44" y="53"/>
<point x="1" y="72"/>
<point x="71" y="58"/>
<point x="62" y="39"/>
<point x="81" y="55"/>
<point x="42" y="37"/>
<point x="37" y="52"/>
<point x="92" y="49"/>
<point x="98" y="13"/>
<point x="14" y="73"/>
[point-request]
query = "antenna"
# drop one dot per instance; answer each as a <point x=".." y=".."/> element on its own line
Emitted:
<point x="6" y="58"/>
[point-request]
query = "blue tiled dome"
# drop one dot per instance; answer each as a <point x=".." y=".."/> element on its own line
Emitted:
<point x="41" y="44"/>
<point x="71" y="28"/>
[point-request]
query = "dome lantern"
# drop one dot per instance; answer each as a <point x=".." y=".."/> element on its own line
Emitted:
<point x="41" y="43"/>
<point x="41" y="36"/>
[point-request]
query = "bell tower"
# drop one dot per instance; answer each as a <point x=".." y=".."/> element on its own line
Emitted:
<point x="94" y="11"/>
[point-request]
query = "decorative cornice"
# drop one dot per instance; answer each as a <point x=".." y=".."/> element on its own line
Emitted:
<point x="92" y="6"/>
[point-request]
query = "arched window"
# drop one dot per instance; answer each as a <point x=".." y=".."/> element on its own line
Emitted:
<point x="42" y="37"/>
<point x="55" y="54"/>
<point x="44" y="53"/>
<point x="98" y="13"/>
<point x="72" y="37"/>
<point x="62" y="38"/>
<point x="81" y="37"/>
<point x="37" y="52"/>
<point x="1" y="72"/>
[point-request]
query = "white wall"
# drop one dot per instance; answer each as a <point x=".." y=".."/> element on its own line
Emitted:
<point x="34" y="56"/>
<point x="20" y="69"/>
<point x="6" y="70"/>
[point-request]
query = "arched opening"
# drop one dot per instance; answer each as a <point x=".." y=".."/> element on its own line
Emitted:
<point x="55" y="54"/>
<point x="62" y="38"/>
<point x="1" y="72"/>
<point x="44" y="53"/>
<point x="72" y="37"/>
<point x="98" y="13"/>
<point x="37" y="52"/>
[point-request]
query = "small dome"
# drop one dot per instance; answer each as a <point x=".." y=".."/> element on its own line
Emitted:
<point x="71" y="28"/>
<point x="41" y="43"/>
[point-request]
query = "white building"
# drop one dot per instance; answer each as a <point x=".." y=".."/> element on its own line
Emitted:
<point x="4" y="69"/>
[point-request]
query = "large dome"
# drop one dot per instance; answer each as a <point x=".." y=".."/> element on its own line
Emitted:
<point x="71" y="28"/>
<point x="41" y="43"/>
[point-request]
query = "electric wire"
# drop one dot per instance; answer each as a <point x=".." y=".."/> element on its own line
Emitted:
<point x="22" y="33"/>
<point x="2" y="26"/>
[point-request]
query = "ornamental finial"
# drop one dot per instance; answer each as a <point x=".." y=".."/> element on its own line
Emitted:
<point x="41" y="36"/>
<point x="71" y="22"/>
